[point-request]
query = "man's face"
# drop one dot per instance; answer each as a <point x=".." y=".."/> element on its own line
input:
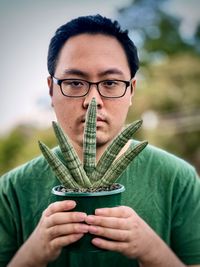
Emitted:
<point x="92" y="58"/>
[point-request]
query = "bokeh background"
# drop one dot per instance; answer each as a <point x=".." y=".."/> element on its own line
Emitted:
<point x="167" y="34"/>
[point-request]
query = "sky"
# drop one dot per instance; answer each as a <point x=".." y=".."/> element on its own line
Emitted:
<point x="26" y="29"/>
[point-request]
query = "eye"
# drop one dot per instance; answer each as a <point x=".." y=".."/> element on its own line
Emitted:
<point x="74" y="83"/>
<point x="110" y="83"/>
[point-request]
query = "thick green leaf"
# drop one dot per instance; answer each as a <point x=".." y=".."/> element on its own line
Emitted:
<point x="89" y="140"/>
<point x="58" y="167"/>
<point x="73" y="162"/>
<point x="114" y="148"/>
<point x="117" y="168"/>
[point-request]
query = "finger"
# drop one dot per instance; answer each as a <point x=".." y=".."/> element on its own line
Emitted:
<point x="59" y="206"/>
<point x="113" y="234"/>
<point x="108" y="222"/>
<point x="67" y="229"/>
<point x="65" y="240"/>
<point x="110" y="245"/>
<point x="121" y="211"/>
<point x="64" y="218"/>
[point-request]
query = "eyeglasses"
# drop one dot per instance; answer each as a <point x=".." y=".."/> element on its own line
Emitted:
<point x="79" y="88"/>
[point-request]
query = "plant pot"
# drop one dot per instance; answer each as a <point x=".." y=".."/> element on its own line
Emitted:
<point x="87" y="202"/>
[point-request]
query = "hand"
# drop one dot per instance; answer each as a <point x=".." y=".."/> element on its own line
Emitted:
<point x="121" y="229"/>
<point x="58" y="227"/>
<point x="126" y="231"/>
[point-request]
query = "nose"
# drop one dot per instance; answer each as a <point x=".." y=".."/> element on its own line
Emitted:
<point x="93" y="92"/>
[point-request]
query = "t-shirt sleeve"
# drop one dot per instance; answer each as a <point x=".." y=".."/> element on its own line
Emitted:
<point x="8" y="231"/>
<point x="185" y="236"/>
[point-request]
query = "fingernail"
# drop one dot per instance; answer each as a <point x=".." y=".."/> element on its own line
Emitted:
<point x="96" y="241"/>
<point x="98" y="211"/>
<point x="92" y="229"/>
<point x="84" y="228"/>
<point x="82" y="216"/>
<point x="90" y="219"/>
<point x="70" y="203"/>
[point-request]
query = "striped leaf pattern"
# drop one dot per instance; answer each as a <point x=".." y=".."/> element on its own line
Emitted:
<point x="114" y="148"/>
<point x="89" y="139"/>
<point x="73" y="162"/>
<point x="120" y="165"/>
<point x="58" y="167"/>
<point x="73" y="174"/>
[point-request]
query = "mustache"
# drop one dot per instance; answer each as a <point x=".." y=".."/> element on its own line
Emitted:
<point x="100" y="117"/>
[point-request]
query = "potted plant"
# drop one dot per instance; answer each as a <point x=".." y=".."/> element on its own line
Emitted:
<point x="91" y="185"/>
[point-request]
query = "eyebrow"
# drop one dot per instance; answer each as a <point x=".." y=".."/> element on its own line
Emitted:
<point x="85" y="74"/>
<point x="111" y="71"/>
<point x="75" y="72"/>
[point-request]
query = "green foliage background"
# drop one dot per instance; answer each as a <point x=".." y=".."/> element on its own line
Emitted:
<point x="170" y="91"/>
<point x="167" y="95"/>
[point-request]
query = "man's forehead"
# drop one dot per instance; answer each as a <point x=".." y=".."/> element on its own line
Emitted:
<point x="83" y="57"/>
<point x="106" y="71"/>
<point x="86" y="74"/>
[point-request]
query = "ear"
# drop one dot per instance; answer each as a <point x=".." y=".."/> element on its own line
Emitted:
<point x="50" y="85"/>
<point x="133" y="87"/>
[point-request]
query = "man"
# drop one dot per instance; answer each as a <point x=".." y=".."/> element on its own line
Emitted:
<point x="159" y="222"/>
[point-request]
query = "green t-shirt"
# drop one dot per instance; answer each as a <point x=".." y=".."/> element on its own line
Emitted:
<point x="163" y="189"/>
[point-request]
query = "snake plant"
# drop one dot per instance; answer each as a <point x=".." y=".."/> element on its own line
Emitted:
<point x="74" y="174"/>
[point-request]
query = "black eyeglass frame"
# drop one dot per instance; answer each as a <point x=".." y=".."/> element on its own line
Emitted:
<point x="59" y="82"/>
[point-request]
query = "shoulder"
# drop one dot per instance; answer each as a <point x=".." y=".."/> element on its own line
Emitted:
<point x="164" y="171"/>
<point x="25" y="169"/>
<point x="34" y="172"/>
<point x="156" y="159"/>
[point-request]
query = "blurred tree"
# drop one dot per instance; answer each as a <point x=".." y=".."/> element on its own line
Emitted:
<point x="10" y="146"/>
<point x="21" y="145"/>
<point x="197" y="38"/>
<point x="154" y="30"/>
<point x="168" y="96"/>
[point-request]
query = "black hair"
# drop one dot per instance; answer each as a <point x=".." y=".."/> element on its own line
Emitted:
<point x="92" y="25"/>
